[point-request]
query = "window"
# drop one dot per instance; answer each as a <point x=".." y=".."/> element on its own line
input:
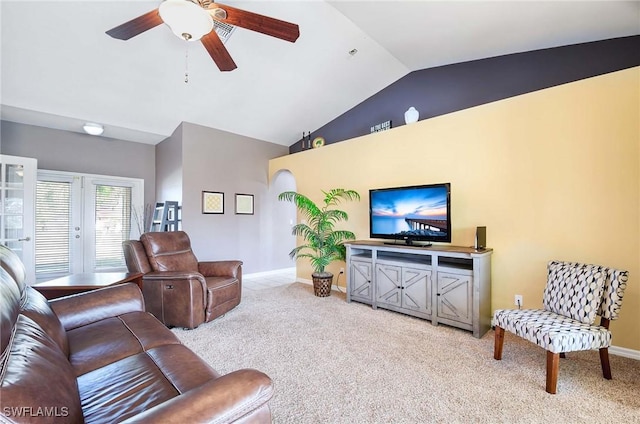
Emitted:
<point x="113" y="225"/>
<point x="81" y="221"/>
<point x="53" y="225"/>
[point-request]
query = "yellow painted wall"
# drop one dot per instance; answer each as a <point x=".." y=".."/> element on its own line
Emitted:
<point x="553" y="174"/>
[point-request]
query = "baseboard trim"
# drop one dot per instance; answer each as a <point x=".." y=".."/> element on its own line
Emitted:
<point x="266" y="273"/>
<point x="623" y="351"/>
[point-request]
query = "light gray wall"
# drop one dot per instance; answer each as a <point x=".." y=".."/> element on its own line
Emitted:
<point x="193" y="159"/>
<point x="215" y="160"/>
<point x="169" y="168"/>
<point x="74" y="152"/>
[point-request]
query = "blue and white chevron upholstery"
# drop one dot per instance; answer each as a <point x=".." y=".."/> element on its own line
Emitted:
<point x="574" y="295"/>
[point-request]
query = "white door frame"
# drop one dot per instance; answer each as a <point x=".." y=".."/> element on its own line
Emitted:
<point x="25" y="242"/>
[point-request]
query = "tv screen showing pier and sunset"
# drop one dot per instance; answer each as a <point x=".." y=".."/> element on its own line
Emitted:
<point x="416" y="213"/>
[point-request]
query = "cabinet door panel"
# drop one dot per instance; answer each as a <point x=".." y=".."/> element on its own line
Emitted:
<point x="416" y="292"/>
<point x="454" y="297"/>
<point x="360" y="275"/>
<point x="388" y="283"/>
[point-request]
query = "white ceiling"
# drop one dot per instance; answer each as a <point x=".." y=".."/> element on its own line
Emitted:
<point x="59" y="69"/>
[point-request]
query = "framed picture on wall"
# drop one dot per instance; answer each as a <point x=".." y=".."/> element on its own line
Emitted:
<point x="244" y="204"/>
<point x="212" y="202"/>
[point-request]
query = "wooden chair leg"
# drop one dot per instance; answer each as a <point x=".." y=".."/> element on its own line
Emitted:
<point x="604" y="361"/>
<point x="498" y="341"/>
<point x="562" y="355"/>
<point x="553" y="361"/>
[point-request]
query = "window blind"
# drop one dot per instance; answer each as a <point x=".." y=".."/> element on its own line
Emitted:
<point x="113" y="225"/>
<point x="53" y="221"/>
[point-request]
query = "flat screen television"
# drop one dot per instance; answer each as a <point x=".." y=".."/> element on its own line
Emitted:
<point x="411" y="214"/>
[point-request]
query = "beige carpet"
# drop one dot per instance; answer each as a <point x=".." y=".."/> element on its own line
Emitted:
<point x="338" y="362"/>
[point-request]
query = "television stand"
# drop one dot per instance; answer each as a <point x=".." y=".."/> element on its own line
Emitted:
<point x="444" y="284"/>
<point x="407" y="242"/>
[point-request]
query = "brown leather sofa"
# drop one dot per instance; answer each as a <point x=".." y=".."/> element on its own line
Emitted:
<point x="97" y="357"/>
<point x="179" y="290"/>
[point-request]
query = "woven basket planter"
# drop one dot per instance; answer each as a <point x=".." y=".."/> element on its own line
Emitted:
<point x="322" y="283"/>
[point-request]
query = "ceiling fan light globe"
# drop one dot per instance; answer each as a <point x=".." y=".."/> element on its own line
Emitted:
<point x="185" y="17"/>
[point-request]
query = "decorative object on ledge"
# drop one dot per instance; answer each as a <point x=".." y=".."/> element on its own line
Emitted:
<point x="318" y="142"/>
<point x="306" y="140"/>
<point x="244" y="204"/>
<point x="212" y="202"/>
<point x="411" y="115"/>
<point x="381" y="127"/>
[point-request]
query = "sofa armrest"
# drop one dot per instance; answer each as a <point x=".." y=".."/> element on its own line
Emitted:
<point x="223" y="400"/>
<point x="221" y="269"/>
<point x="85" y="308"/>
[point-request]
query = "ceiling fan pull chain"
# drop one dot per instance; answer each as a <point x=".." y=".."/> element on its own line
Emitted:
<point x="186" y="64"/>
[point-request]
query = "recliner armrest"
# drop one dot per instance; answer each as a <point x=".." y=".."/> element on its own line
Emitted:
<point x="85" y="308"/>
<point x="221" y="268"/>
<point x="223" y="400"/>
<point x="174" y="275"/>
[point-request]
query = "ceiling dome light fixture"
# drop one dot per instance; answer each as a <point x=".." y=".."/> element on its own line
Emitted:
<point x="93" y="129"/>
<point x="186" y="19"/>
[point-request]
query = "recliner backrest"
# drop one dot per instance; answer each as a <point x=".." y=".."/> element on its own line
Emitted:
<point x="13" y="265"/>
<point x="169" y="251"/>
<point x="9" y="308"/>
<point x="136" y="257"/>
<point x="32" y="303"/>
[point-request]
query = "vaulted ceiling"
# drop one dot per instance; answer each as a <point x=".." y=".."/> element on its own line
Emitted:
<point x="59" y="69"/>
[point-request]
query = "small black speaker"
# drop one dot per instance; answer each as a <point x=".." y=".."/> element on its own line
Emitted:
<point x="481" y="237"/>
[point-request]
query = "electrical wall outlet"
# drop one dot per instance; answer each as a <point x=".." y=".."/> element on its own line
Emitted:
<point x="517" y="300"/>
<point x="341" y="270"/>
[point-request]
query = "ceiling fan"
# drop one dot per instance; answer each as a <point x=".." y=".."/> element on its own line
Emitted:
<point x="192" y="20"/>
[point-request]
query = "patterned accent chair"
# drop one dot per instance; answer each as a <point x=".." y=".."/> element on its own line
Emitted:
<point x="574" y="295"/>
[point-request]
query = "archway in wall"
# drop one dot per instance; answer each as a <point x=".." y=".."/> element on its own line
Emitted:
<point x="284" y="217"/>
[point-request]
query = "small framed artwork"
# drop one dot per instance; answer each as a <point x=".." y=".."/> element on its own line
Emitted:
<point x="244" y="204"/>
<point x="212" y="202"/>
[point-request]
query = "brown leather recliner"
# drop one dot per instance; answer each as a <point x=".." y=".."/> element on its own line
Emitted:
<point x="177" y="289"/>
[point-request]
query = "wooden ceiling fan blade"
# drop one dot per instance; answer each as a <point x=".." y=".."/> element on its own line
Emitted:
<point x="136" y="26"/>
<point x="218" y="51"/>
<point x="260" y="23"/>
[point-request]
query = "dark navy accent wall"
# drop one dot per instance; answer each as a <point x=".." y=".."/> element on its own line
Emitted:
<point x="446" y="89"/>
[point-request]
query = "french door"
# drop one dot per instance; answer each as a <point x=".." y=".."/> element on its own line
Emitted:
<point x="81" y="221"/>
<point x="17" y="197"/>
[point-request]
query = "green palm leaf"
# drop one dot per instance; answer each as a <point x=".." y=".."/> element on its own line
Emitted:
<point x="323" y="244"/>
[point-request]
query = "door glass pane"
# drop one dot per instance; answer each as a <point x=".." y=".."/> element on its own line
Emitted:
<point x="14" y="175"/>
<point x="53" y="221"/>
<point x="13" y="209"/>
<point x="13" y="201"/>
<point x="113" y="225"/>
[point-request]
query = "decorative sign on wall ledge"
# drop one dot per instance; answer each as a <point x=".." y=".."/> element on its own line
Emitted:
<point x="381" y="127"/>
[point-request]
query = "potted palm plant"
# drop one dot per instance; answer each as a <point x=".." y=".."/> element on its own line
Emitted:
<point x="323" y="243"/>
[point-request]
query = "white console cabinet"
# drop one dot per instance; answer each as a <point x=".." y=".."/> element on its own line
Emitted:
<point x="444" y="284"/>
